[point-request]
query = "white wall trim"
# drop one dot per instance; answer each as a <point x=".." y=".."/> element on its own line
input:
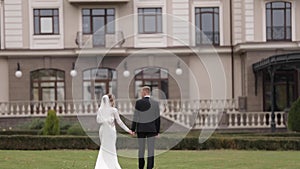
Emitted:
<point x="2" y="43"/>
<point x="197" y="4"/>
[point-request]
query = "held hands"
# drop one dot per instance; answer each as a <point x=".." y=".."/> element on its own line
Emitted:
<point x="132" y="133"/>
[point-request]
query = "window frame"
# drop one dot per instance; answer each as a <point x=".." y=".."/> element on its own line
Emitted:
<point x="105" y="16"/>
<point x="139" y="76"/>
<point x="39" y="81"/>
<point x="39" y="16"/>
<point x="158" y="13"/>
<point x="199" y="29"/>
<point x="285" y="20"/>
<point x="111" y="77"/>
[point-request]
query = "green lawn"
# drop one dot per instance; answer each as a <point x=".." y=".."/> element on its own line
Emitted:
<point x="222" y="159"/>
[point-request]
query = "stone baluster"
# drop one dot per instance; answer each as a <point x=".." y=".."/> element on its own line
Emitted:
<point x="34" y="109"/>
<point x="265" y="120"/>
<point x="23" y="110"/>
<point x="80" y="109"/>
<point x="68" y="109"/>
<point x="188" y="114"/>
<point x="172" y="113"/>
<point x="63" y="109"/>
<point x="253" y="120"/>
<point x="86" y="109"/>
<point x="28" y="109"/>
<point x="74" y="108"/>
<point x="230" y="119"/>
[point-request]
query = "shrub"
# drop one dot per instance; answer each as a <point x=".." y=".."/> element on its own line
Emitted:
<point x="51" y="124"/>
<point x="294" y="116"/>
<point x="85" y="142"/>
<point x="64" y="125"/>
<point x="76" y="129"/>
<point x="36" y="124"/>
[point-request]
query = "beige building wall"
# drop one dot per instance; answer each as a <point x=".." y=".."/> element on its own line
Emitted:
<point x="19" y="88"/>
<point x="4" y="85"/>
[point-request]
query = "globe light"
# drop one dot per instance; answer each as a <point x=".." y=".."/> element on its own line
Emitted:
<point x="126" y="73"/>
<point x="73" y="73"/>
<point x="178" y="71"/>
<point x="18" y="74"/>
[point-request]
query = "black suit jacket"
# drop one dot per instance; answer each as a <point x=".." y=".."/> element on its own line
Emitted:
<point x="146" y="118"/>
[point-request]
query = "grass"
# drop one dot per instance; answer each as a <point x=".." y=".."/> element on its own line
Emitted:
<point x="219" y="159"/>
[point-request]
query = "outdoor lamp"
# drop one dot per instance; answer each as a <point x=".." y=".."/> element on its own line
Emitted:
<point x="73" y="72"/>
<point x="126" y="72"/>
<point x="178" y="70"/>
<point x="18" y="73"/>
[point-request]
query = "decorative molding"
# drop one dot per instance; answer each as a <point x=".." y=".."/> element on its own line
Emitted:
<point x="13" y="24"/>
<point x="249" y="20"/>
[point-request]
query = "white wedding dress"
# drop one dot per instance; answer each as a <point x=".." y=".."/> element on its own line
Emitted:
<point x="106" y="115"/>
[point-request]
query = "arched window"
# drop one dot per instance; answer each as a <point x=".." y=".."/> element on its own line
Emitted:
<point x="47" y="85"/>
<point x="155" y="78"/>
<point x="98" y="82"/>
<point x="278" y="17"/>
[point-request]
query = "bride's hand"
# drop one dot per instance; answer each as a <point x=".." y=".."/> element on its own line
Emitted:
<point x="131" y="132"/>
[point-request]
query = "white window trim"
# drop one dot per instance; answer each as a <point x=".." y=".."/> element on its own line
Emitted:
<point x="200" y="4"/>
<point x="150" y="4"/>
<point x="264" y="20"/>
<point x="46" y="5"/>
<point x="100" y="7"/>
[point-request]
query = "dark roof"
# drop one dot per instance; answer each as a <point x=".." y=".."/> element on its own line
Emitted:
<point x="285" y="61"/>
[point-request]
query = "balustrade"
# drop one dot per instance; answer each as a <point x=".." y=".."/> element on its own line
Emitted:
<point x="197" y="114"/>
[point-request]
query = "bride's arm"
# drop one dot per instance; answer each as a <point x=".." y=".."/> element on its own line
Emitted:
<point x="120" y="122"/>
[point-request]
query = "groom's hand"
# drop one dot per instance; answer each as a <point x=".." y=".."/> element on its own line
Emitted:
<point x="133" y="133"/>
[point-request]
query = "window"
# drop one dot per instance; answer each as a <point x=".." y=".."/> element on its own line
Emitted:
<point x="150" y="20"/>
<point x="278" y="17"/>
<point x="98" y="22"/>
<point x="48" y="85"/>
<point x="98" y="19"/>
<point x="98" y="82"/>
<point x="207" y="26"/>
<point x="155" y="78"/>
<point x="46" y="21"/>
<point x="285" y="93"/>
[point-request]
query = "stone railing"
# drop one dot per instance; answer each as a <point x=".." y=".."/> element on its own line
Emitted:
<point x="195" y="114"/>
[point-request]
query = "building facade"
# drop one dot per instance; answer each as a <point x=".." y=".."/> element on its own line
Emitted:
<point x="101" y="39"/>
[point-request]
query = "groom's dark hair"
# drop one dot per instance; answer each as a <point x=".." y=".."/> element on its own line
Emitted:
<point x="146" y="89"/>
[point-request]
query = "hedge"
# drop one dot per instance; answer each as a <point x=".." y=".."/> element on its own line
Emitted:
<point x="84" y="142"/>
<point x="294" y="116"/>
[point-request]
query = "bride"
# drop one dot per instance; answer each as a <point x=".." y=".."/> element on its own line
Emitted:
<point x="106" y="116"/>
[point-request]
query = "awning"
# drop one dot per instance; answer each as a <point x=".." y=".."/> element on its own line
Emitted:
<point x="291" y="60"/>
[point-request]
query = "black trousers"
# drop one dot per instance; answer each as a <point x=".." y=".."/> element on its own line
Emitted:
<point x="142" y="139"/>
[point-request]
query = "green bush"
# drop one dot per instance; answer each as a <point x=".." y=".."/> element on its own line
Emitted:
<point x="36" y="124"/>
<point x="51" y="124"/>
<point x="76" y="129"/>
<point x="294" y="116"/>
<point x="85" y="142"/>
<point x="64" y="125"/>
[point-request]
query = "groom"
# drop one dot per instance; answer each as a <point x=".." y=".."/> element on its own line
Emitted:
<point x="146" y="123"/>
